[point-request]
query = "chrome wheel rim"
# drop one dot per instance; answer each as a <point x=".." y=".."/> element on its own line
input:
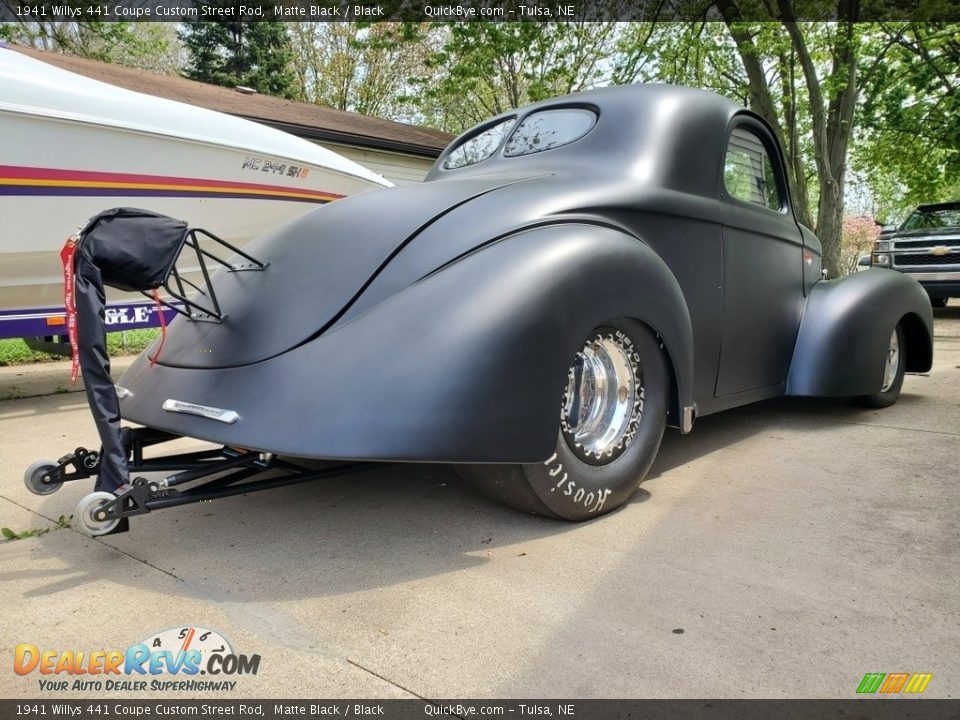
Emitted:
<point x="603" y="401"/>
<point x="893" y="363"/>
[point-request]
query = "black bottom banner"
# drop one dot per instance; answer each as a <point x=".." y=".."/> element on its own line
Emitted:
<point x="415" y="709"/>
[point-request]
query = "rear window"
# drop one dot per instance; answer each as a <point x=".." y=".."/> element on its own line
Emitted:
<point x="549" y="129"/>
<point x="479" y="147"/>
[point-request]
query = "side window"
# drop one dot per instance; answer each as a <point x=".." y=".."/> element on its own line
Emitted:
<point x="748" y="172"/>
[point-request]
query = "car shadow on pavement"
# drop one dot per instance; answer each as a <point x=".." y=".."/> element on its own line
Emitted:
<point x="392" y="524"/>
<point x="726" y="429"/>
<point x="389" y="525"/>
<point x="951" y="312"/>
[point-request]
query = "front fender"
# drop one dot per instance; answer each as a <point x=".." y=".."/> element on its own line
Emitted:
<point x="466" y="365"/>
<point x="846" y="328"/>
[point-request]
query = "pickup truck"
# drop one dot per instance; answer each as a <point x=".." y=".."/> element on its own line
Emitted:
<point x="927" y="248"/>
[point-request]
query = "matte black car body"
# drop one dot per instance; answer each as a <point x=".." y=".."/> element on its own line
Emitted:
<point x="437" y="322"/>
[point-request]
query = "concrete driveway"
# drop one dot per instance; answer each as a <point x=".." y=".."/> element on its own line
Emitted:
<point x="779" y="550"/>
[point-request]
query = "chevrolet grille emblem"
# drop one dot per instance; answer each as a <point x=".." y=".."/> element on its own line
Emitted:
<point x="940" y="250"/>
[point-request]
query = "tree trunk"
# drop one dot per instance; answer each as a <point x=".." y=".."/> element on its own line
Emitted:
<point x="830" y="223"/>
<point x="832" y="122"/>
<point x="796" y="171"/>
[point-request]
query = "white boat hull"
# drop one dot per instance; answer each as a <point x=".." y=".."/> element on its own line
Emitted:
<point x="59" y="167"/>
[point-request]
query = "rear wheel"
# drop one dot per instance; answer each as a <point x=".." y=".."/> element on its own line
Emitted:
<point x="939" y="302"/>
<point x="893" y="372"/>
<point x="612" y="417"/>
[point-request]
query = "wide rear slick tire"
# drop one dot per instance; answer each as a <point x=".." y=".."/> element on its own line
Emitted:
<point x="589" y="475"/>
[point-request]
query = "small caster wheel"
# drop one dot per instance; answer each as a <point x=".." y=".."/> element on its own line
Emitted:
<point x="33" y="478"/>
<point x="87" y="509"/>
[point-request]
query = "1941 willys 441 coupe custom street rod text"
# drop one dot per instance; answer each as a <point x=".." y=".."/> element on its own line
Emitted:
<point x="571" y="278"/>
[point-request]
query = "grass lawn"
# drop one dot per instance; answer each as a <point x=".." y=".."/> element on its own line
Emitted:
<point x="128" y="342"/>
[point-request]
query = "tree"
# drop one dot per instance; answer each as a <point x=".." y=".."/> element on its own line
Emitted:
<point x="360" y="67"/>
<point x="231" y="53"/>
<point x="147" y="46"/>
<point x="909" y="137"/>
<point x="483" y="68"/>
<point x="859" y="233"/>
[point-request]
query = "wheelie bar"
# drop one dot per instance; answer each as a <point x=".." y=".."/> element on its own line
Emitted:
<point x="201" y="476"/>
<point x="46" y="477"/>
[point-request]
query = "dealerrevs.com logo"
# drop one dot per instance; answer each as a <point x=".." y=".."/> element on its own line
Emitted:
<point x="170" y="660"/>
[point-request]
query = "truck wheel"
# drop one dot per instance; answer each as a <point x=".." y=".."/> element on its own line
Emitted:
<point x="892" y="374"/>
<point x="939" y="302"/>
<point x="613" y="412"/>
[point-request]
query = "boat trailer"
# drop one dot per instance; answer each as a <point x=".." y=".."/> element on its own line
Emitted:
<point x="198" y="476"/>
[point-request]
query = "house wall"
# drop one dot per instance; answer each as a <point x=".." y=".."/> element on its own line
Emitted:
<point x="399" y="168"/>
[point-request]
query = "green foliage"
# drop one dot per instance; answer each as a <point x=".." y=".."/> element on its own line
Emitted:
<point x="481" y="69"/>
<point x="129" y="342"/>
<point x="62" y="523"/>
<point x="149" y="46"/>
<point x="250" y="54"/>
<point x="359" y="67"/>
<point x="909" y="136"/>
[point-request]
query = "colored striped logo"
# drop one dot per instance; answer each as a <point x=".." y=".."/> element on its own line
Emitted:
<point x="18" y="180"/>
<point x="893" y="683"/>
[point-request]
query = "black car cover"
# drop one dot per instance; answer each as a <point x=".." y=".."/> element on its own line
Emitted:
<point x="131" y="250"/>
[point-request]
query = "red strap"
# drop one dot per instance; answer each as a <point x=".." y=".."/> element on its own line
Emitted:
<point x="163" y="328"/>
<point x="70" y="303"/>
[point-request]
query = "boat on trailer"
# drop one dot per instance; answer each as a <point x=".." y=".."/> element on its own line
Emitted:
<point x="71" y="146"/>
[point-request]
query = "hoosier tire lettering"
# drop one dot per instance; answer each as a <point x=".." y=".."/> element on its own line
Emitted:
<point x="593" y="500"/>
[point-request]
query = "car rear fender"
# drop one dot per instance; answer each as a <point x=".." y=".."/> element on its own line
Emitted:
<point x="607" y="274"/>
<point x="467" y="364"/>
<point x="846" y="329"/>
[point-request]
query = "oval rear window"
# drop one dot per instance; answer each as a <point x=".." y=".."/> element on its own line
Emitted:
<point x="479" y="147"/>
<point x="548" y="129"/>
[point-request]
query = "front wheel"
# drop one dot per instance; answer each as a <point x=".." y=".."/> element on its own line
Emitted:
<point x="893" y="371"/>
<point x="613" y="412"/>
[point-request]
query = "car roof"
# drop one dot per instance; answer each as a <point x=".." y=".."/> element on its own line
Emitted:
<point x="669" y="135"/>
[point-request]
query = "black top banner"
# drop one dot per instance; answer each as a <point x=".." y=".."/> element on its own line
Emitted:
<point x="418" y="709"/>
<point x="478" y="10"/>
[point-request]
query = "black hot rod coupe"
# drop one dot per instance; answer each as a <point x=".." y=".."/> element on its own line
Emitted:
<point x="571" y="277"/>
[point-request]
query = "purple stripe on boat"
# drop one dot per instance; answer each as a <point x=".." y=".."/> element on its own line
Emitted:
<point x="118" y="317"/>
<point x="52" y="191"/>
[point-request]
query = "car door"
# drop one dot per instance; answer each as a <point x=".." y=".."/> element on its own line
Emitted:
<point x="762" y="263"/>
